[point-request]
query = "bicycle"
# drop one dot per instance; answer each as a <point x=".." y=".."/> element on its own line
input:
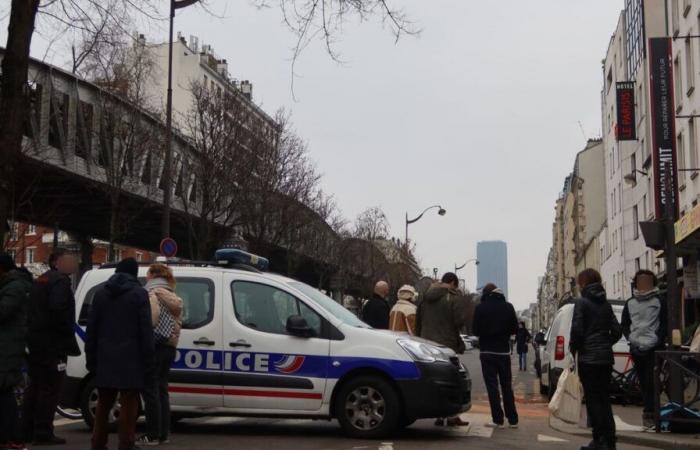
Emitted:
<point x="690" y="383"/>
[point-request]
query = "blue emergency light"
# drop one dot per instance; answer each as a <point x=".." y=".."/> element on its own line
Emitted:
<point x="236" y="256"/>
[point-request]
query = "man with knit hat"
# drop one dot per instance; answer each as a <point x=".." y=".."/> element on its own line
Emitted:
<point x="403" y="315"/>
<point x="119" y="351"/>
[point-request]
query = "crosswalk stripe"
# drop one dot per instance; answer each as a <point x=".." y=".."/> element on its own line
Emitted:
<point x="545" y="438"/>
<point x="63" y="422"/>
<point x="621" y="425"/>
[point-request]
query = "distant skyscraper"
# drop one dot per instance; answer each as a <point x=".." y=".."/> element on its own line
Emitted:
<point x="493" y="264"/>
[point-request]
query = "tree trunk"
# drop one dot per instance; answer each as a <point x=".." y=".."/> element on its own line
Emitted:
<point x="113" y="226"/>
<point x="13" y="103"/>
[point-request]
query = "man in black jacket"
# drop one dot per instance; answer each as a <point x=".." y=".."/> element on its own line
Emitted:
<point x="51" y="339"/>
<point x="377" y="309"/>
<point x="14" y="292"/>
<point x="594" y="331"/>
<point x="494" y="323"/>
<point x="119" y="351"/>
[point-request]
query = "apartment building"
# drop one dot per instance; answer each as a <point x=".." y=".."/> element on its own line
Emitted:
<point x="31" y="245"/>
<point x="628" y="163"/>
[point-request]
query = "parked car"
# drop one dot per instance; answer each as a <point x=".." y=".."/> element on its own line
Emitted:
<point x="264" y="345"/>
<point x="555" y="351"/>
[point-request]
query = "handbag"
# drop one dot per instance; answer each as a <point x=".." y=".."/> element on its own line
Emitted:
<point x="166" y="325"/>
<point x="566" y="401"/>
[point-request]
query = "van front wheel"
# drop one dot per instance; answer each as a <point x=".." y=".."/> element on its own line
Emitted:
<point x="368" y="407"/>
<point x="88" y="407"/>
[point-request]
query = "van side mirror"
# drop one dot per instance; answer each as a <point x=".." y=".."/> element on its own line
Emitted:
<point x="297" y="326"/>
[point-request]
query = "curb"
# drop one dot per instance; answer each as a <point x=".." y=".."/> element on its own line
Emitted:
<point x="664" y="441"/>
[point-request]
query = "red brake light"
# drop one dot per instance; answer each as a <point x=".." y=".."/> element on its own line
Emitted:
<point x="559" y="352"/>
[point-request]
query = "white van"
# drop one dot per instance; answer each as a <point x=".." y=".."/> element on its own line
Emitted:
<point x="555" y="353"/>
<point x="258" y="344"/>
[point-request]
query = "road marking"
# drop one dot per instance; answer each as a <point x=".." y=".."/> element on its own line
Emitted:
<point x="545" y="438"/>
<point x="621" y="425"/>
<point x="476" y="428"/>
<point x="386" y="446"/>
<point x="63" y="422"/>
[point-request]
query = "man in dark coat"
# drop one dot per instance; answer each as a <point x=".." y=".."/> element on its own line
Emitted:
<point x="494" y="323"/>
<point x="14" y="296"/>
<point x="51" y="339"/>
<point x="377" y="309"/>
<point x="594" y="331"/>
<point x="119" y="351"/>
<point x="522" y="339"/>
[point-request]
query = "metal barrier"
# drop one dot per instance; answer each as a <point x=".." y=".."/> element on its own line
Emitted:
<point x="689" y="367"/>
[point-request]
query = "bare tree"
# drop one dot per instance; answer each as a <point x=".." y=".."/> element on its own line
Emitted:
<point x="214" y="125"/>
<point x="129" y="140"/>
<point x="308" y="18"/>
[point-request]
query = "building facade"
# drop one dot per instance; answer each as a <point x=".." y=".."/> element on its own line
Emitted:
<point x="31" y="245"/>
<point x="493" y="264"/>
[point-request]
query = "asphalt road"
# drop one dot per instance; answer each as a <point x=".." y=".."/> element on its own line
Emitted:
<point x="253" y="434"/>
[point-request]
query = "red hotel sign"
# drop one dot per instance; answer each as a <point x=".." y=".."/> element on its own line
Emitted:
<point x="626" y="128"/>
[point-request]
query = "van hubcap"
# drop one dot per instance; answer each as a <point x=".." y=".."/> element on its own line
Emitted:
<point x="365" y="408"/>
<point x="113" y="415"/>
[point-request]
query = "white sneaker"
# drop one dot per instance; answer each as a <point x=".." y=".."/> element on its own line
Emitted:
<point x="512" y="425"/>
<point x="495" y="425"/>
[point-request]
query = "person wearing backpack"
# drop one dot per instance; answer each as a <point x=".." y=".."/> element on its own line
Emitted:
<point x="166" y="315"/>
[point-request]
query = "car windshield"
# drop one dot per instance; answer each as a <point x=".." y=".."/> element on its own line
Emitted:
<point x="330" y="305"/>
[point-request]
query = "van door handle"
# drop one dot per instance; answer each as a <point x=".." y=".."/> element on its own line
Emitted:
<point x="240" y="343"/>
<point x="204" y="341"/>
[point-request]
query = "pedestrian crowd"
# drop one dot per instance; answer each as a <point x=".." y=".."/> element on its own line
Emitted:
<point x="440" y="315"/>
<point x="130" y="344"/>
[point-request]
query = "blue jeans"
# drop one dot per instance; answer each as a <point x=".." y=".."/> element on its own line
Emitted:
<point x="496" y="371"/>
<point x="522" y="361"/>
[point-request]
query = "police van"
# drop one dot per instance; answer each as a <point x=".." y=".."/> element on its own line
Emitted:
<point x="264" y="345"/>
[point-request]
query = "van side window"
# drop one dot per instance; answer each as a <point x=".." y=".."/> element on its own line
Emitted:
<point x="266" y="308"/>
<point x="87" y="304"/>
<point x="197" y="296"/>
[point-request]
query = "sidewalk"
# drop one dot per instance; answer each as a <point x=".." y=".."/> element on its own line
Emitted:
<point x="629" y="432"/>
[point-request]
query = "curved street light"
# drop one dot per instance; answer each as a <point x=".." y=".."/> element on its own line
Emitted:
<point x="441" y="211"/>
<point x="474" y="260"/>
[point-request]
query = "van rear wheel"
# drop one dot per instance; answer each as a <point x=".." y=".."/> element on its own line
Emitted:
<point x="88" y="407"/>
<point x="368" y="407"/>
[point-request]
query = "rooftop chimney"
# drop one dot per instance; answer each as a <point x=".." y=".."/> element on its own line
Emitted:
<point x="247" y="89"/>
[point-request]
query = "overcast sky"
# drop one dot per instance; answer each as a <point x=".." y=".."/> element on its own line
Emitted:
<point x="480" y="113"/>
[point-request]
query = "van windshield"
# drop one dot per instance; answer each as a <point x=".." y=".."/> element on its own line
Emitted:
<point x="330" y="305"/>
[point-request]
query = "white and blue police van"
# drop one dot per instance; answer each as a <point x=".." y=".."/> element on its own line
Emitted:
<point x="263" y="345"/>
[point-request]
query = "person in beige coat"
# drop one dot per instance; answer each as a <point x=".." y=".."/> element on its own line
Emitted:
<point x="403" y="315"/>
<point x="166" y="314"/>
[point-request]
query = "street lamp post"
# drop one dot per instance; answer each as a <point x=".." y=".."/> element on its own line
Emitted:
<point x="441" y="211"/>
<point x="167" y="163"/>
<point x="474" y="260"/>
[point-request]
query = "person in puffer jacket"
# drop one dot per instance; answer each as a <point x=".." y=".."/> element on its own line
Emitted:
<point x="403" y="315"/>
<point x="644" y="325"/>
<point x="161" y="294"/>
<point x="594" y="331"/>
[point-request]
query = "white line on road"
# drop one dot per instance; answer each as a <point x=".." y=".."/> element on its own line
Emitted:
<point x="386" y="446"/>
<point x="545" y="438"/>
<point x="62" y="422"/>
<point x="621" y="425"/>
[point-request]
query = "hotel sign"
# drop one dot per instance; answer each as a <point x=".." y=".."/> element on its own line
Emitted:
<point x="663" y="127"/>
<point x="626" y="127"/>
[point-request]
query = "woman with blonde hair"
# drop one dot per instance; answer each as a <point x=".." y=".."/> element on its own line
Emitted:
<point x="166" y="315"/>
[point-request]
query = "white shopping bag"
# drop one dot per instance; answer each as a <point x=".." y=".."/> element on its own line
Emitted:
<point x="566" y="401"/>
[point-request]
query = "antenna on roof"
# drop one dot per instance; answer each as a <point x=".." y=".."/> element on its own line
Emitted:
<point x="583" y="132"/>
